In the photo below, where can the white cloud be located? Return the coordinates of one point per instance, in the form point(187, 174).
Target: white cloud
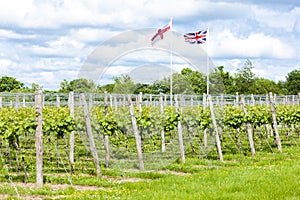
point(62, 47)
point(51, 38)
point(297, 25)
point(92, 34)
point(254, 45)
point(8, 34)
point(276, 19)
point(115, 13)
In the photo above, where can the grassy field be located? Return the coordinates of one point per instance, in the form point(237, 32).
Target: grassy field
point(266, 176)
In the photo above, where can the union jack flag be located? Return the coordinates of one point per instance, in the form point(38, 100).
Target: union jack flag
point(196, 38)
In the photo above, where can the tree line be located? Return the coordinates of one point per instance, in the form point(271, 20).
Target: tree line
point(187, 81)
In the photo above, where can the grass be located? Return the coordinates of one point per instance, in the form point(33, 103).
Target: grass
point(266, 176)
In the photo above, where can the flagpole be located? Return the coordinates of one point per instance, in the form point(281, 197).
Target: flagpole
point(207, 62)
point(171, 64)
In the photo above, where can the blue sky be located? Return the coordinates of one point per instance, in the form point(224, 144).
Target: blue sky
point(46, 41)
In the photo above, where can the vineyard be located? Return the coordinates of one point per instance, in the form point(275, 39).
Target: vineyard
point(89, 134)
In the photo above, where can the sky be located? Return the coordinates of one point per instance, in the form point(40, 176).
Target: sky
point(47, 41)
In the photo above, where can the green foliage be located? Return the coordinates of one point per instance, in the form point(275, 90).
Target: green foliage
point(144, 120)
point(204, 118)
point(234, 117)
point(57, 121)
point(124, 85)
point(171, 119)
point(245, 79)
point(105, 118)
point(264, 86)
point(293, 82)
point(15, 123)
point(80, 85)
point(259, 115)
point(9, 84)
point(288, 114)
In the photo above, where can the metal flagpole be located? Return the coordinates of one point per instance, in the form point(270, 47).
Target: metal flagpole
point(207, 62)
point(171, 64)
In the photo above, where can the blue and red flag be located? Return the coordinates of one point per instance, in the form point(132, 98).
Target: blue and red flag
point(196, 38)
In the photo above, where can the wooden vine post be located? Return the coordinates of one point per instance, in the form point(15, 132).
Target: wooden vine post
point(57, 101)
point(17, 102)
point(179, 131)
point(39, 138)
point(140, 101)
point(162, 132)
point(106, 138)
point(90, 135)
point(249, 130)
point(72, 139)
point(277, 137)
point(218, 141)
point(137, 136)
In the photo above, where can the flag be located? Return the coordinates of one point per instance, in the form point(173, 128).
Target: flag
point(160, 33)
point(196, 38)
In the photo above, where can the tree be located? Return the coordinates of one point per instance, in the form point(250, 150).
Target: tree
point(293, 82)
point(264, 86)
point(244, 79)
point(282, 86)
point(195, 79)
point(10, 84)
point(124, 85)
point(80, 85)
point(109, 88)
point(227, 80)
point(64, 86)
point(35, 87)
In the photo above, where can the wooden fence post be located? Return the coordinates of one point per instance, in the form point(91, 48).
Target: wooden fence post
point(106, 137)
point(72, 139)
point(115, 102)
point(162, 132)
point(90, 135)
point(249, 130)
point(110, 100)
point(179, 131)
point(106, 147)
point(17, 102)
point(57, 101)
point(24, 101)
point(136, 135)
point(39, 139)
point(236, 100)
point(218, 141)
point(91, 101)
point(252, 100)
point(277, 137)
point(140, 100)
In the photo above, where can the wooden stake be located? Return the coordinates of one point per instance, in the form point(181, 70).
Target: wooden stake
point(72, 139)
point(249, 130)
point(106, 146)
point(162, 132)
point(90, 135)
point(39, 138)
point(57, 101)
point(218, 141)
point(277, 137)
point(136, 135)
point(179, 131)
